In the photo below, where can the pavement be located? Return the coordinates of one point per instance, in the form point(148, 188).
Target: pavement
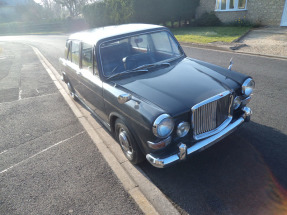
point(267, 41)
point(48, 162)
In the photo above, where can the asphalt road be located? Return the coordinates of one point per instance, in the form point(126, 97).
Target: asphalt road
point(48, 163)
point(246, 173)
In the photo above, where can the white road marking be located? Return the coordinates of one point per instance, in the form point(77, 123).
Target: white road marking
point(20, 94)
point(44, 150)
point(37, 91)
point(3, 152)
point(33, 97)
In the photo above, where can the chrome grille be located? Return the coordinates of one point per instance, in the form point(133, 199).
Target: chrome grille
point(209, 116)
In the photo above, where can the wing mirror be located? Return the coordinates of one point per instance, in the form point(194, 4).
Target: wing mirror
point(123, 98)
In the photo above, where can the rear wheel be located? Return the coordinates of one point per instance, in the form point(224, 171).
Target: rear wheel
point(128, 143)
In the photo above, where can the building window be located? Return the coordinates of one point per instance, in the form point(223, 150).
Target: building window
point(230, 5)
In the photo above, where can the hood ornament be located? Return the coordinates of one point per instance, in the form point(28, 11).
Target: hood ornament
point(230, 64)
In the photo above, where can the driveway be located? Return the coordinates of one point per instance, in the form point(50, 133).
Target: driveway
point(266, 40)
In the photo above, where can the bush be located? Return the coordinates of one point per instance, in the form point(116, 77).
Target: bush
point(97, 14)
point(241, 22)
point(107, 12)
point(208, 19)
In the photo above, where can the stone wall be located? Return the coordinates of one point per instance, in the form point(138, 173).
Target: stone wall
point(264, 12)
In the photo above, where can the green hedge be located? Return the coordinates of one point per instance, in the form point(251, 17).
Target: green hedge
point(110, 12)
point(59, 26)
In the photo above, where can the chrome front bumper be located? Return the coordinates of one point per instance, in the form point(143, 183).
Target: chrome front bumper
point(201, 145)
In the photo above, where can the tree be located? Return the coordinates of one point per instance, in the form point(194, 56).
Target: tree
point(74, 6)
point(146, 11)
point(97, 14)
point(120, 10)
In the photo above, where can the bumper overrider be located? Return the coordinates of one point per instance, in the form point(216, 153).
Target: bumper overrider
point(183, 151)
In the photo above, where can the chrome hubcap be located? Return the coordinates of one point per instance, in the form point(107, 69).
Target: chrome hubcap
point(70, 89)
point(125, 144)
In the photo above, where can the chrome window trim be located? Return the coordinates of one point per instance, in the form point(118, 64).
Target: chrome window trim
point(219, 128)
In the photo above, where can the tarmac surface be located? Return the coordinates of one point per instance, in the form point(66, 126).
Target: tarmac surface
point(48, 163)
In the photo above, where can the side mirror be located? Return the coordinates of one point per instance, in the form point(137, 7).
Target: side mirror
point(123, 98)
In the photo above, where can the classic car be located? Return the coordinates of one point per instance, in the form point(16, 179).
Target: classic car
point(159, 104)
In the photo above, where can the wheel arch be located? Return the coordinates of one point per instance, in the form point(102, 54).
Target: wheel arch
point(112, 120)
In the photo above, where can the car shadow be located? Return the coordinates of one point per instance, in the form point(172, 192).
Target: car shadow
point(245, 173)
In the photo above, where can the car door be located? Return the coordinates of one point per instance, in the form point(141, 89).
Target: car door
point(90, 86)
point(72, 62)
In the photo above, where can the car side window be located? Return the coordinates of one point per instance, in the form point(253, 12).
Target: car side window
point(163, 43)
point(139, 44)
point(87, 57)
point(96, 71)
point(69, 50)
point(75, 52)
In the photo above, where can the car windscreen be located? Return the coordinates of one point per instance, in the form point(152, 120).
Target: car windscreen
point(133, 52)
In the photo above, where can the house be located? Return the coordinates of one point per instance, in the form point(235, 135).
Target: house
point(264, 12)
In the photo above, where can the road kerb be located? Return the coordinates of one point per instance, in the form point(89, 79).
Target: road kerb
point(141, 189)
point(220, 49)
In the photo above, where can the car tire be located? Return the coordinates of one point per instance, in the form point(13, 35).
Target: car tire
point(127, 142)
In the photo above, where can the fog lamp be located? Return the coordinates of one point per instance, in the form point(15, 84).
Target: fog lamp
point(182, 129)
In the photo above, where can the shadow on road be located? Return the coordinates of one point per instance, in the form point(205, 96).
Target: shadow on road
point(243, 174)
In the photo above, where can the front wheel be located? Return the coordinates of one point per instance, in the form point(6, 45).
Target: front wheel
point(127, 143)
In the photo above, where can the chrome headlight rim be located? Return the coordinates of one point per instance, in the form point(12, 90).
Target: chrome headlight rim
point(157, 123)
point(247, 90)
point(186, 127)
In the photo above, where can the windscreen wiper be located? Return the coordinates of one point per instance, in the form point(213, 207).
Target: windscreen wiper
point(147, 66)
point(127, 72)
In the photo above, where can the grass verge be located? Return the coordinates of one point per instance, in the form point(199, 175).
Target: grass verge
point(209, 34)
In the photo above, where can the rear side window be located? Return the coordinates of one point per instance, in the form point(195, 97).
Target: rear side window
point(75, 52)
point(87, 57)
point(69, 50)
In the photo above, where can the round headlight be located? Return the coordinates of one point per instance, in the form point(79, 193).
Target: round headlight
point(163, 126)
point(182, 129)
point(248, 86)
point(236, 102)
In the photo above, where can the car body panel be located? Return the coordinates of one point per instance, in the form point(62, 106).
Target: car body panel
point(175, 95)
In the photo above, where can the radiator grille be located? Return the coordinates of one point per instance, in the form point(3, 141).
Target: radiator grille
point(211, 114)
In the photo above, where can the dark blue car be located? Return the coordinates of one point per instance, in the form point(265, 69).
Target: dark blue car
point(159, 104)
